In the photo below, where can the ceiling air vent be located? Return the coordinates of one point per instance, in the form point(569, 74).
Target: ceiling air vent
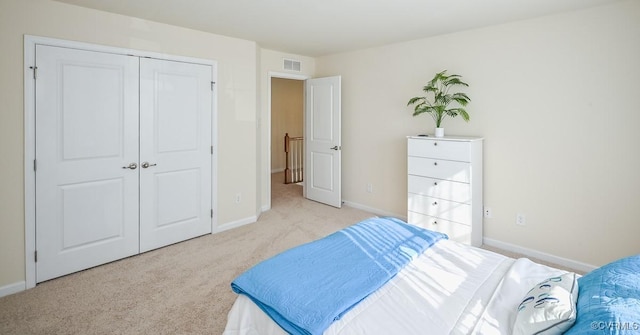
point(290, 64)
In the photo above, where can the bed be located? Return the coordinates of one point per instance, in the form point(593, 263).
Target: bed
point(440, 287)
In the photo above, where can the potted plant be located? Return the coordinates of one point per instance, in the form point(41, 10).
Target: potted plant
point(437, 98)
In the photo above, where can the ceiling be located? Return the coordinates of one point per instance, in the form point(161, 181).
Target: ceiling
point(320, 27)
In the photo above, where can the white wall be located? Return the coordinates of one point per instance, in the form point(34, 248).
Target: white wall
point(237, 104)
point(555, 99)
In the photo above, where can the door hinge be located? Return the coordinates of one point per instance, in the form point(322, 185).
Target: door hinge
point(212, 149)
point(35, 165)
point(212, 84)
point(35, 71)
point(212, 213)
point(35, 256)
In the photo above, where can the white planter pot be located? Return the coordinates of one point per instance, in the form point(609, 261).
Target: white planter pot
point(439, 132)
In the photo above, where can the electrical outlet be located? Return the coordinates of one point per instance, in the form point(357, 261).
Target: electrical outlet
point(369, 188)
point(238, 198)
point(521, 219)
point(487, 212)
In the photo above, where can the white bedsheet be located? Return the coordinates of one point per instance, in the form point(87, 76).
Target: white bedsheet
point(451, 289)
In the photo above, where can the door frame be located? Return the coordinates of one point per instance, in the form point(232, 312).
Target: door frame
point(267, 168)
point(30, 43)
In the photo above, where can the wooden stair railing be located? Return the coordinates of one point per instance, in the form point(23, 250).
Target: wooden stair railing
point(294, 150)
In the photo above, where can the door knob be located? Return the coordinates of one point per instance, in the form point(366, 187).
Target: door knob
point(146, 164)
point(131, 166)
point(335, 147)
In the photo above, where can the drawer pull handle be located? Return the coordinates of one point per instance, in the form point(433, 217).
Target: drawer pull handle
point(435, 183)
point(435, 163)
point(435, 222)
point(435, 203)
point(435, 143)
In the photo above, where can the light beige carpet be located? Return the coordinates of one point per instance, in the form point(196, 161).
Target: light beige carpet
point(180, 289)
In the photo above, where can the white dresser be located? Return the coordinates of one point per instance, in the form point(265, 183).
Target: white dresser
point(445, 186)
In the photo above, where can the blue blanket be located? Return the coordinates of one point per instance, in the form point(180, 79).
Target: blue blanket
point(306, 288)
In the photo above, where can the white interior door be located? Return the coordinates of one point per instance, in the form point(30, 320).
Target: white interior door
point(175, 142)
point(323, 140)
point(87, 131)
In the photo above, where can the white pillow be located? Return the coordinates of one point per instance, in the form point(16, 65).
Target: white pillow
point(549, 307)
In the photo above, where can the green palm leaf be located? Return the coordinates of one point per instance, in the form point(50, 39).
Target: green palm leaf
point(436, 107)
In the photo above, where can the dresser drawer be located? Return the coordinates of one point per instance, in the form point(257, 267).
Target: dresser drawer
point(444, 209)
point(439, 169)
point(456, 231)
point(451, 150)
point(438, 188)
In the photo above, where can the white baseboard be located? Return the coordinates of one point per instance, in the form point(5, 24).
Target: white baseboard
point(569, 263)
point(235, 224)
point(12, 288)
point(375, 211)
point(277, 170)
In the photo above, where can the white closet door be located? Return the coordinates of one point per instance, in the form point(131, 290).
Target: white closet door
point(87, 131)
point(175, 140)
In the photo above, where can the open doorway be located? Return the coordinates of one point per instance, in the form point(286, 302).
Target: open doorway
point(287, 128)
point(322, 142)
point(287, 117)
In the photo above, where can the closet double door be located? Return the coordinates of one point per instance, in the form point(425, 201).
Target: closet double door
point(123, 156)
